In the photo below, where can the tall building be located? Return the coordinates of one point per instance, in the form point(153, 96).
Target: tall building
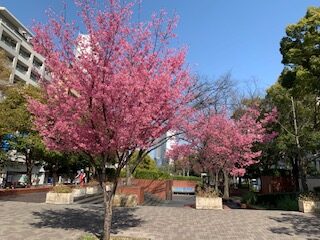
point(25, 66)
point(15, 40)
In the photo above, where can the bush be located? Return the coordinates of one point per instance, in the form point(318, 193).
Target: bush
point(249, 198)
point(202, 191)
point(61, 189)
point(279, 201)
point(272, 199)
point(288, 204)
point(309, 196)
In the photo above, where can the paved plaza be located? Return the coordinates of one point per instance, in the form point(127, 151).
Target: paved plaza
point(39, 221)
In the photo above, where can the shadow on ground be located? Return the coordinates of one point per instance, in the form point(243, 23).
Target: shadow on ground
point(87, 218)
point(306, 225)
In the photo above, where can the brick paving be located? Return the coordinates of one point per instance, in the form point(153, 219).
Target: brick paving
point(39, 221)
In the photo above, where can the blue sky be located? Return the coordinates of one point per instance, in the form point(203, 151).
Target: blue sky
point(222, 35)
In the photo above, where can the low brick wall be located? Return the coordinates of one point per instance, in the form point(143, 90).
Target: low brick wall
point(184, 183)
point(272, 184)
point(160, 188)
point(136, 190)
point(184, 186)
point(9, 192)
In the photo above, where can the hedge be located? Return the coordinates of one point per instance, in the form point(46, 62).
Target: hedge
point(188, 178)
point(281, 201)
point(153, 174)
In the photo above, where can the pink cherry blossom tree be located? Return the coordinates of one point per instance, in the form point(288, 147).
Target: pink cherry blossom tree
point(224, 144)
point(111, 92)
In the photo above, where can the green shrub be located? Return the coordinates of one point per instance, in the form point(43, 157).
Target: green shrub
point(249, 198)
point(209, 192)
point(288, 204)
point(272, 199)
point(61, 189)
point(309, 196)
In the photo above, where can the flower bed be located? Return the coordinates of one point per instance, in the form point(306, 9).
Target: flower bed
point(60, 195)
point(207, 198)
point(309, 202)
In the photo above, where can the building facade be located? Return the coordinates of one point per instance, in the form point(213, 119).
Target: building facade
point(15, 40)
point(26, 66)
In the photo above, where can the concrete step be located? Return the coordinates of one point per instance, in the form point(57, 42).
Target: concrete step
point(90, 199)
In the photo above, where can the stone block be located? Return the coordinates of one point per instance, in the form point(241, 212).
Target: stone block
point(121, 200)
point(208, 203)
point(92, 190)
point(309, 206)
point(79, 192)
point(59, 198)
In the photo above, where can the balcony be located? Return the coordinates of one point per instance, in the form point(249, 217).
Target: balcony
point(21, 68)
point(24, 53)
point(9, 41)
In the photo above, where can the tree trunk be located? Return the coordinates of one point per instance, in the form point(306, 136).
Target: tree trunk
point(295, 173)
point(29, 170)
point(107, 200)
point(303, 177)
point(216, 182)
point(54, 177)
point(226, 185)
point(302, 162)
point(128, 176)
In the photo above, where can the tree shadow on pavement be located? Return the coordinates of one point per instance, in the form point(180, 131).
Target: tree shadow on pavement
point(87, 218)
point(306, 225)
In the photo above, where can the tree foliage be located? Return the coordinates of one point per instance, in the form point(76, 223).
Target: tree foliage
point(300, 50)
point(16, 122)
point(122, 89)
point(5, 68)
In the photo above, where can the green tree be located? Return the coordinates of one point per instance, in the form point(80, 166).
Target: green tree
point(146, 163)
point(298, 140)
point(16, 120)
point(297, 92)
point(300, 50)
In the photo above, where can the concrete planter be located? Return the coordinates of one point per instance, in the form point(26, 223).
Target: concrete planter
point(59, 198)
point(208, 203)
point(121, 200)
point(92, 190)
point(309, 206)
point(79, 192)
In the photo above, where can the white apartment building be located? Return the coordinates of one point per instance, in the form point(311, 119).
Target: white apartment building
point(26, 65)
point(15, 40)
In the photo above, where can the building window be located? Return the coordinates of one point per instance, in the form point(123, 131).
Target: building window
point(21, 67)
point(34, 76)
point(8, 40)
point(18, 80)
point(24, 53)
point(37, 63)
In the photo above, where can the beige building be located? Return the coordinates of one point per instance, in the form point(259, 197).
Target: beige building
point(15, 40)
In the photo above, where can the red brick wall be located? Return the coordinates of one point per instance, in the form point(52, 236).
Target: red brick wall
point(160, 188)
point(136, 190)
point(8, 192)
point(271, 184)
point(184, 183)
